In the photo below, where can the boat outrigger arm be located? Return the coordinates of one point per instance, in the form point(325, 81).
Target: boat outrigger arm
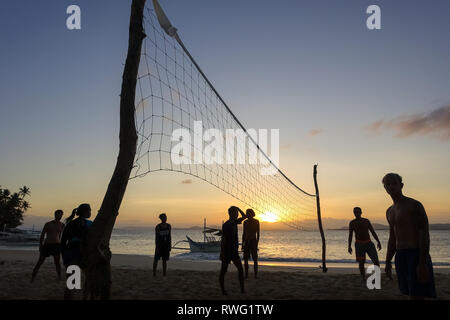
point(211, 230)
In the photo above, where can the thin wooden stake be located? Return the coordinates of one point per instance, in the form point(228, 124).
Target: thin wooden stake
point(319, 218)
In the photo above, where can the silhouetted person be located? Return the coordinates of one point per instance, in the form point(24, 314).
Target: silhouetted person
point(73, 240)
point(363, 244)
point(230, 247)
point(250, 240)
point(409, 240)
point(51, 246)
point(163, 243)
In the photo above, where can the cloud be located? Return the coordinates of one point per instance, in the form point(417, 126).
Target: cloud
point(315, 132)
point(286, 146)
point(376, 126)
point(187, 181)
point(435, 123)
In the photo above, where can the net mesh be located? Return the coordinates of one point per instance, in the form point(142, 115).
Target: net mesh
point(172, 93)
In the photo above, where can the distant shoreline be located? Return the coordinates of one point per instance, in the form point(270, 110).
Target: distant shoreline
point(434, 226)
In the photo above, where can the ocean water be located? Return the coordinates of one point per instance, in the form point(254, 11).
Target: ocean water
point(275, 246)
point(287, 246)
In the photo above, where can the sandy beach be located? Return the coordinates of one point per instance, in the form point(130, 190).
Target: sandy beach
point(133, 279)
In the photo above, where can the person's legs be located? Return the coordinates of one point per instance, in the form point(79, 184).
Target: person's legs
point(255, 266)
point(401, 270)
point(223, 271)
point(36, 268)
point(237, 262)
point(246, 257)
point(68, 295)
point(246, 267)
point(372, 253)
point(56, 259)
point(419, 290)
point(362, 270)
point(155, 264)
point(164, 263)
point(360, 252)
point(255, 259)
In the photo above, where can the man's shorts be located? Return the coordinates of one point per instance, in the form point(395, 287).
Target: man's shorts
point(50, 249)
point(230, 255)
point(251, 248)
point(362, 248)
point(162, 253)
point(406, 262)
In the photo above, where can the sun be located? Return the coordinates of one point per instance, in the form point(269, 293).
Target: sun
point(268, 217)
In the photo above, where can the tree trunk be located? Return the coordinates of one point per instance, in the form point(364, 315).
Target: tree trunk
point(96, 253)
point(319, 218)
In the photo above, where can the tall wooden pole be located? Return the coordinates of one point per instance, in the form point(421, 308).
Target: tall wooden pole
point(319, 218)
point(97, 255)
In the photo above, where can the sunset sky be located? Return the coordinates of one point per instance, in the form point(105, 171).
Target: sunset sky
point(358, 102)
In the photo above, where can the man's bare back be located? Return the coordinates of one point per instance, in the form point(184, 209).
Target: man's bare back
point(53, 230)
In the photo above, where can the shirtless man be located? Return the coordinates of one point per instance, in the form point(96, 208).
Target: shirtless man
point(409, 240)
point(250, 240)
point(230, 246)
point(363, 244)
point(51, 246)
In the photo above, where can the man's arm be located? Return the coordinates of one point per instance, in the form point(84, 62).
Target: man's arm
point(374, 234)
point(257, 232)
point(170, 237)
point(243, 216)
point(392, 241)
point(391, 245)
point(244, 233)
point(350, 237)
point(41, 239)
point(222, 243)
point(424, 243)
point(424, 235)
point(156, 236)
point(64, 237)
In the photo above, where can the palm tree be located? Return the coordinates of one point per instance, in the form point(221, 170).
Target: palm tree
point(24, 191)
point(97, 255)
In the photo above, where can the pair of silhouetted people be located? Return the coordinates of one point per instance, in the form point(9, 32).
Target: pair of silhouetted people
point(230, 245)
point(66, 240)
point(163, 243)
point(73, 240)
point(409, 241)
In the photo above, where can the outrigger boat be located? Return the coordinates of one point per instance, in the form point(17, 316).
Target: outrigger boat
point(211, 241)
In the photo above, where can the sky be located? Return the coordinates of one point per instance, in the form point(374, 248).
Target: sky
point(358, 102)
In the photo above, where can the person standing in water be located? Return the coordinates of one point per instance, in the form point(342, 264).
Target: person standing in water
point(163, 243)
point(51, 246)
point(363, 244)
point(250, 240)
